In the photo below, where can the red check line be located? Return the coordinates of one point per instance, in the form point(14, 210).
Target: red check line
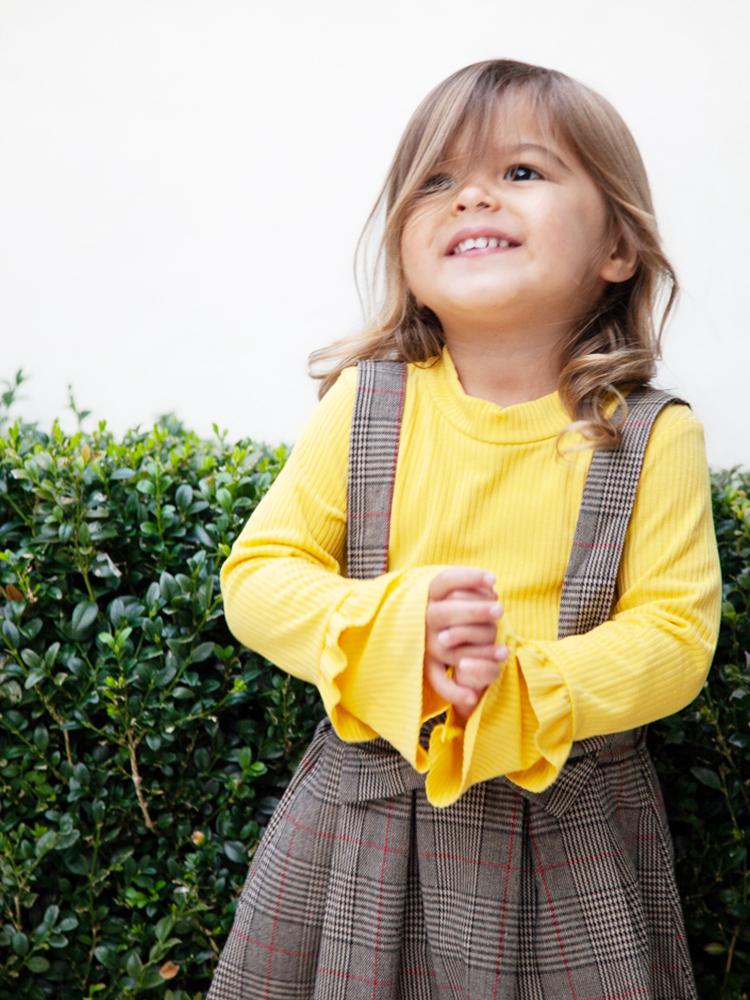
point(583, 859)
point(380, 899)
point(571, 987)
point(449, 986)
point(637, 992)
point(400, 410)
point(418, 970)
point(346, 838)
point(477, 862)
point(274, 948)
point(501, 939)
point(383, 982)
point(359, 979)
point(449, 856)
point(620, 799)
point(595, 545)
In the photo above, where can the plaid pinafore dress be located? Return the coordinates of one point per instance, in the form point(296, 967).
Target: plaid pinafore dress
point(360, 889)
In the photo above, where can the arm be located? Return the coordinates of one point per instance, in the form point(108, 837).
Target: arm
point(360, 641)
point(649, 660)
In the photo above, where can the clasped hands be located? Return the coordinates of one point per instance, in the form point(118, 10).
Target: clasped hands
point(460, 637)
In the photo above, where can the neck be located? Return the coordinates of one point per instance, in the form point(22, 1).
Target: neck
point(506, 369)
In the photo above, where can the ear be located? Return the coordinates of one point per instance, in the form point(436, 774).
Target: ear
point(621, 262)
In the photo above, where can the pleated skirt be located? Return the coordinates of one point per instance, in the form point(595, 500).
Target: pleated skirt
point(492, 898)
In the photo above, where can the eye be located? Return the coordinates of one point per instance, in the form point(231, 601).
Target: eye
point(519, 171)
point(524, 171)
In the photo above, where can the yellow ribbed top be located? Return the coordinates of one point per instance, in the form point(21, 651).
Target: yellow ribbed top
point(478, 484)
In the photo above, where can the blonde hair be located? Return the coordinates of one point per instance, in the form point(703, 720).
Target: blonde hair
point(615, 345)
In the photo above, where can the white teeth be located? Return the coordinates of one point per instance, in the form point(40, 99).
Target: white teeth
point(480, 243)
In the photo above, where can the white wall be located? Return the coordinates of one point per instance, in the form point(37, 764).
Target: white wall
point(182, 183)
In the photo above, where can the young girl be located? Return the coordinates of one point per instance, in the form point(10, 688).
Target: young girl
point(491, 549)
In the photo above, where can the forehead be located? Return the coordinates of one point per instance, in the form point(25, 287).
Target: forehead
point(509, 122)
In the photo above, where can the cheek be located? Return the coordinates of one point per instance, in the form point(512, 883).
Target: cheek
point(418, 233)
point(407, 249)
point(408, 239)
point(571, 238)
point(414, 255)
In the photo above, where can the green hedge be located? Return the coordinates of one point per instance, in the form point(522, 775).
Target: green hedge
point(142, 750)
point(702, 755)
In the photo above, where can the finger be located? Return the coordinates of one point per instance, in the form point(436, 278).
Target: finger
point(463, 577)
point(457, 636)
point(490, 654)
point(477, 673)
point(483, 593)
point(494, 651)
point(446, 688)
point(445, 614)
point(461, 715)
point(477, 641)
point(445, 641)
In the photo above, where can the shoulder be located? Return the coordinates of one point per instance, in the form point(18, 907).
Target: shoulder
point(345, 384)
point(324, 430)
point(676, 421)
point(338, 400)
point(676, 449)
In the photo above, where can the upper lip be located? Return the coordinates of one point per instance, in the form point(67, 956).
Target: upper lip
point(476, 231)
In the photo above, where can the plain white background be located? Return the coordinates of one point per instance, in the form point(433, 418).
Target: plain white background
point(182, 184)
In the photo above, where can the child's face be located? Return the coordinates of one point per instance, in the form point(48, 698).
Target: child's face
point(546, 204)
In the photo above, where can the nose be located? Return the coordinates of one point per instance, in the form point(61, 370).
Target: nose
point(473, 195)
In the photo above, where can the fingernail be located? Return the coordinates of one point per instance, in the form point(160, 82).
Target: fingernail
point(501, 652)
point(496, 610)
point(490, 578)
point(443, 636)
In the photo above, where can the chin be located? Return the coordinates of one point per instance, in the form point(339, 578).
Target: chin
point(489, 301)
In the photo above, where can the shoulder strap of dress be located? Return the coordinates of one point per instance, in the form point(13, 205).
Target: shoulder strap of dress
point(373, 451)
point(590, 580)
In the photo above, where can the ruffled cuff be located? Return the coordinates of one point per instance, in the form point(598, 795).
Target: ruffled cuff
point(371, 675)
point(552, 709)
point(521, 727)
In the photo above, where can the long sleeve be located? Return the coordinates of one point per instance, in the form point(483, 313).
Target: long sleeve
point(360, 641)
point(648, 661)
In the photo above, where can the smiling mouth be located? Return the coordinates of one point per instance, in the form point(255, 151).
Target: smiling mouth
point(482, 251)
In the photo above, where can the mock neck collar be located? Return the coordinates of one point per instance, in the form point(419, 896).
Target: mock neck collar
point(484, 420)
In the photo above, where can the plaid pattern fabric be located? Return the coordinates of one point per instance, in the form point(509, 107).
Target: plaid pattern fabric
point(373, 450)
point(360, 889)
point(606, 505)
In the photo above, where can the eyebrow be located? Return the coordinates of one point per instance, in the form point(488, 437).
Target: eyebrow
point(541, 149)
point(531, 145)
